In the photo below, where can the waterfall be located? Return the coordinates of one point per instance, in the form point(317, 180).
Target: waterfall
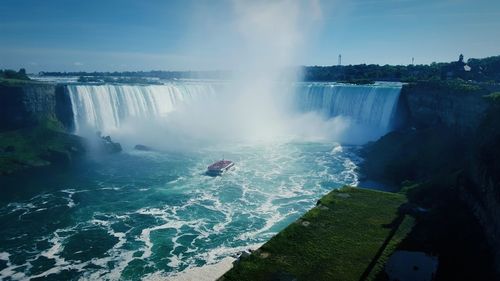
point(105, 107)
point(369, 109)
point(369, 105)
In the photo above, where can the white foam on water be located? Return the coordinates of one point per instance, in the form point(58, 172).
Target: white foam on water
point(15, 207)
point(111, 188)
point(116, 255)
point(270, 183)
point(214, 255)
point(9, 271)
point(209, 272)
point(337, 149)
point(267, 209)
point(55, 250)
point(171, 222)
point(54, 253)
point(71, 202)
point(4, 256)
point(175, 261)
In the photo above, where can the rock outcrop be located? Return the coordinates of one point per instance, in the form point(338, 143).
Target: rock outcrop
point(29, 104)
point(107, 145)
point(35, 121)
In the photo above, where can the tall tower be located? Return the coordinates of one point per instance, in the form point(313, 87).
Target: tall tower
point(340, 60)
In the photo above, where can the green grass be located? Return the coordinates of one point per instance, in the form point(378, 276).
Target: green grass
point(36, 146)
point(345, 236)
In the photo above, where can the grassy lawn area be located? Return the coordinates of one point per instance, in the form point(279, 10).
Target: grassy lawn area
point(348, 236)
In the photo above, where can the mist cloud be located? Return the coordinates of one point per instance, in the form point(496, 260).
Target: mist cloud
point(255, 104)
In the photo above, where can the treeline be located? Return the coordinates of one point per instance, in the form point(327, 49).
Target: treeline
point(12, 74)
point(216, 74)
point(480, 70)
point(117, 79)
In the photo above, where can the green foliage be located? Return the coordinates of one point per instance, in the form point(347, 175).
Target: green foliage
point(37, 146)
point(119, 80)
point(495, 97)
point(487, 69)
point(337, 240)
point(482, 70)
point(12, 74)
point(17, 82)
point(215, 74)
point(359, 81)
point(451, 86)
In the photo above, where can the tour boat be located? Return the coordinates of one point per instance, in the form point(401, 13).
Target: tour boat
point(219, 167)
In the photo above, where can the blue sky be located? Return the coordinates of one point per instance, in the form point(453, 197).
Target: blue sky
point(69, 35)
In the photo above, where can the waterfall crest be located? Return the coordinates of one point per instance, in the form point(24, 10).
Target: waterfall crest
point(105, 107)
point(371, 105)
point(345, 113)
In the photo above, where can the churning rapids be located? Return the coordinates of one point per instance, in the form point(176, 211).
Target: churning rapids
point(150, 214)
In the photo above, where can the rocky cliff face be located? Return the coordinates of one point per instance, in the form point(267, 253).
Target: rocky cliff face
point(482, 193)
point(458, 107)
point(25, 105)
point(29, 104)
point(476, 120)
point(63, 108)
